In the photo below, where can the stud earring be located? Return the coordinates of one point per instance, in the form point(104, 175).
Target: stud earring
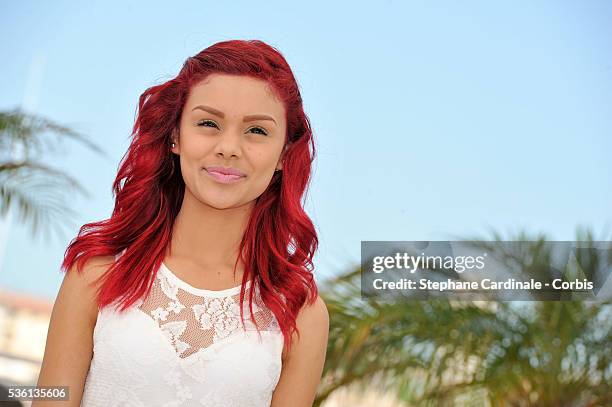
point(173, 145)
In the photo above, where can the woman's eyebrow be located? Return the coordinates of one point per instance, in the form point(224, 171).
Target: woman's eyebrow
point(247, 118)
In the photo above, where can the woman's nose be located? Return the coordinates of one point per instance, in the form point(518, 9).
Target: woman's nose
point(228, 143)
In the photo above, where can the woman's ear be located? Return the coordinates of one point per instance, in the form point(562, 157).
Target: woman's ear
point(174, 141)
point(279, 166)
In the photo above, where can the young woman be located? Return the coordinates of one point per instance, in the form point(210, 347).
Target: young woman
point(198, 291)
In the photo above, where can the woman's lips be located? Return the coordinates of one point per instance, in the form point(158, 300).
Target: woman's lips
point(224, 178)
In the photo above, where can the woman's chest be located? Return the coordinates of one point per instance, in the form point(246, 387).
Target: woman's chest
point(174, 348)
point(138, 361)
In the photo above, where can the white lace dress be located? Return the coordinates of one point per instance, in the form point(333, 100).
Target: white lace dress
point(184, 346)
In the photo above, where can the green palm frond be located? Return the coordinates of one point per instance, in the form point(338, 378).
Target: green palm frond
point(438, 352)
point(29, 131)
point(38, 191)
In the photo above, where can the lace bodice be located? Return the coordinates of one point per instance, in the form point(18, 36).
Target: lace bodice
point(184, 346)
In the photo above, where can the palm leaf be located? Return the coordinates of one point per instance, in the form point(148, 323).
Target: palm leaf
point(38, 191)
point(441, 352)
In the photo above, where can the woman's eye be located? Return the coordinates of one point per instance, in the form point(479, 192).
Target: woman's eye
point(203, 122)
point(210, 123)
point(262, 131)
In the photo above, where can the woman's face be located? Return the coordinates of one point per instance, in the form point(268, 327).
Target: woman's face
point(230, 122)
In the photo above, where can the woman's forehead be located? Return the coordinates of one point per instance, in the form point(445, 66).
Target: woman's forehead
point(236, 95)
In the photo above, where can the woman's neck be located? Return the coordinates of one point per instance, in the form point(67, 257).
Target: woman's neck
point(207, 236)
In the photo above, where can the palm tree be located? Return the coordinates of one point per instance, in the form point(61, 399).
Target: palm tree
point(36, 189)
point(442, 352)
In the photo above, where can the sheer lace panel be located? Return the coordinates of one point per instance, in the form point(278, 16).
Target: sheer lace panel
point(193, 319)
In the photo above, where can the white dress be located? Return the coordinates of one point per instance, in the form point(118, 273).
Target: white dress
point(184, 346)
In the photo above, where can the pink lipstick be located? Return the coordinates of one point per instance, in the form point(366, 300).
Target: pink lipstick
point(225, 175)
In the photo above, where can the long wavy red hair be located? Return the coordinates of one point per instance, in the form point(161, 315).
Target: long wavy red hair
point(280, 240)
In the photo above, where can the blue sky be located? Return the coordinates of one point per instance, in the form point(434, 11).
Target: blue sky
point(432, 120)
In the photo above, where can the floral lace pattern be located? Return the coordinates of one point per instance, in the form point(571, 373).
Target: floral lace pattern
point(191, 321)
point(183, 346)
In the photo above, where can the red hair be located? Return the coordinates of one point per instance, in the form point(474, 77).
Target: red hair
point(280, 240)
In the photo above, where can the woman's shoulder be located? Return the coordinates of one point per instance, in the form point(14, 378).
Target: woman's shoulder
point(71, 326)
point(81, 285)
point(314, 313)
point(93, 268)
